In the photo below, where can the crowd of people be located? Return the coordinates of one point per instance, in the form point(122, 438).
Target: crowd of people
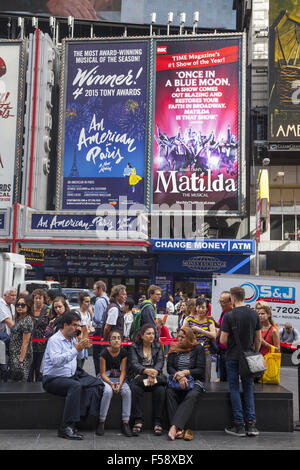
point(47, 341)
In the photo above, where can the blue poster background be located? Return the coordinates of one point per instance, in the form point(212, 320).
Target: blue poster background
point(105, 123)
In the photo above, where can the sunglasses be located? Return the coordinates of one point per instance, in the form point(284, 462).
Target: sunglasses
point(21, 305)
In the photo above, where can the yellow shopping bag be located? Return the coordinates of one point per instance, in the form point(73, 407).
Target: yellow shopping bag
point(273, 361)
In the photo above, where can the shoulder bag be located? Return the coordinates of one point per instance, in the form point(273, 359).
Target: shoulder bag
point(251, 363)
point(175, 384)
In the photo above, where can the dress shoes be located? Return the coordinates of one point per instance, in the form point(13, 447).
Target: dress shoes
point(67, 432)
point(100, 429)
point(125, 429)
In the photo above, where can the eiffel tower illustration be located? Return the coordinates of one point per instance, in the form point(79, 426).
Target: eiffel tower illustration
point(74, 173)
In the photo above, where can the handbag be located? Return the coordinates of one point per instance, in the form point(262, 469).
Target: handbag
point(251, 363)
point(176, 386)
point(272, 374)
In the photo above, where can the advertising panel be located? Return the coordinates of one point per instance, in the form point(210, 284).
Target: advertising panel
point(198, 144)
point(204, 265)
point(131, 11)
point(284, 71)
point(282, 294)
point(11, 107)
point(91, 263)
point(103, 123)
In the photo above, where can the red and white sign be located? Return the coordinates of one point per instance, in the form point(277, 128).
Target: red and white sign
point(9, 92)
point(161, 50)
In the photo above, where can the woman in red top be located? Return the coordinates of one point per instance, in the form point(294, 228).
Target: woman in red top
point(163, 332)
point(269, 333)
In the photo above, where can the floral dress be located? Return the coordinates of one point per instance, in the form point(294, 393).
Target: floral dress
point(24, 325)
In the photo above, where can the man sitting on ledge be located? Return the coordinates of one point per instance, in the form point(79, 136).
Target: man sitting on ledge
point(62, 377)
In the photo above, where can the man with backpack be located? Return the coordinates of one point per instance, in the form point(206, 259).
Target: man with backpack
point(101, 305)
point(147, 313)
point(113, 318)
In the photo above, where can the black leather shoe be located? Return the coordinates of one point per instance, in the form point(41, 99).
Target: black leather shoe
point(75, 430)
point(100, 429)
point(68, 433)
point(125, 429)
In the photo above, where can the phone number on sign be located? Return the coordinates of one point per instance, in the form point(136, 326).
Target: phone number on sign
point(291, 310)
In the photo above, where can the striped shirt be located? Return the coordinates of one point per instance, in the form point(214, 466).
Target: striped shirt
point(184, 363)
point(201, 337)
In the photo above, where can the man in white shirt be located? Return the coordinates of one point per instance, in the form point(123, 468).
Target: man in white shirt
point(62, 377)
point(170, 306)
point(7, 309)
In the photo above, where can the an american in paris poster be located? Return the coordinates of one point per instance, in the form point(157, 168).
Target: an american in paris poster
point(196, 135)
point(105, 123)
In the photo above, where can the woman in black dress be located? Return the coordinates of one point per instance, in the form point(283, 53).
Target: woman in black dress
point(40, 322)
point(20, 347)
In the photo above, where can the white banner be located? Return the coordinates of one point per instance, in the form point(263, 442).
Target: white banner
point(282, 294)
point(9, 93)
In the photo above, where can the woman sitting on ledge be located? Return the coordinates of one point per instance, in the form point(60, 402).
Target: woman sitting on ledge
point(186, 364)
point(146, 360)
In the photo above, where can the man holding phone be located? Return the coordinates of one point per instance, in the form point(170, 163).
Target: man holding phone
point(61, 376)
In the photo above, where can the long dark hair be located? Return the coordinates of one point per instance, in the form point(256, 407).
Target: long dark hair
point(28, 301)
point(138, 339)
point(52, 313)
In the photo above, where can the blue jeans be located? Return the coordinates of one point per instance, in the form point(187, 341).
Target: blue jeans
point(232, 368)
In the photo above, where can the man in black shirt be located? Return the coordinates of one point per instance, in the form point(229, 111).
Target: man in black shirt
point(248, 328)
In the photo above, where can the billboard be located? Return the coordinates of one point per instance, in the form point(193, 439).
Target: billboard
point(198, 150)
point(131, 11)
point(284, 71)
point(12, 58)
point(103, 123)
point(282, 295)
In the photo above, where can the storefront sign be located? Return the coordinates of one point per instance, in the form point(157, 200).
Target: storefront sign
point(87, 263)
point(76, 223)
point(198, 147)
point(103, 114)
point(215, 246)
point(204, 264)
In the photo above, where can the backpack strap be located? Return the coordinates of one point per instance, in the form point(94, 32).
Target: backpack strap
point(268, 332)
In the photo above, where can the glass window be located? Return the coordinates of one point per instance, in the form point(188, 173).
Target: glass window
point(287, 197)
point(298, 227)
point(289, 227)
point(275, 227)
point(275, 199)
point(297, 200)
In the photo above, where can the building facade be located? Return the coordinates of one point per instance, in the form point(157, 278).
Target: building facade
point(82, 244)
